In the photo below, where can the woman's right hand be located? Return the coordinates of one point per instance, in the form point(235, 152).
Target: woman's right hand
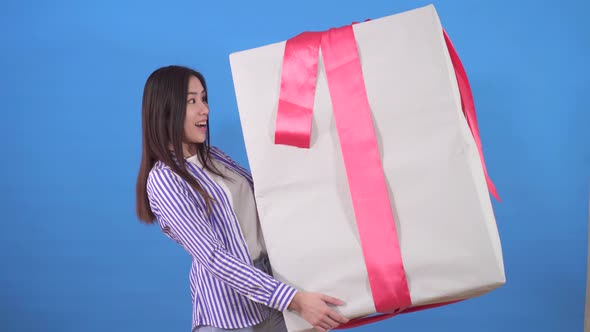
point(313, 307)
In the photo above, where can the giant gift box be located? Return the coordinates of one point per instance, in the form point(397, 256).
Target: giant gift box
point(368, 170)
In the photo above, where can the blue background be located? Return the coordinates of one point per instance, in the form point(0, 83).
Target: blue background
point(75, 258)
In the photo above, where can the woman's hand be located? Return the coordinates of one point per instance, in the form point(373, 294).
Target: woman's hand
point(313, 307)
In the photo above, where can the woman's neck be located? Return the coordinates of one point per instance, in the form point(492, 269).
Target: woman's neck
point(189, 150)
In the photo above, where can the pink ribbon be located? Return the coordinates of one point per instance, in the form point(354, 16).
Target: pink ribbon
point(298, 79)
point(370, 198)
point(352, 114)
point(469, 108)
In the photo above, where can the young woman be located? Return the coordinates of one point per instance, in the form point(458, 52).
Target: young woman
point(204, 201)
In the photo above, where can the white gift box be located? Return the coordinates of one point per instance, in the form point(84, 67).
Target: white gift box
point(443, 214)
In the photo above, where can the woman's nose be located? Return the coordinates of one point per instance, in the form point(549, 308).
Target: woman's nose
point(204, 109)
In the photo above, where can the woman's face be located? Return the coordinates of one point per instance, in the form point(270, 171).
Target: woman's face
point(197, 113)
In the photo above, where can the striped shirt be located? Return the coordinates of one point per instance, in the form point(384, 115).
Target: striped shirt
point(239, 192)
point(227, 290)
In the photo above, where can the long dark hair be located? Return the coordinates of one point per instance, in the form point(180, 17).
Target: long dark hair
point(162, 115)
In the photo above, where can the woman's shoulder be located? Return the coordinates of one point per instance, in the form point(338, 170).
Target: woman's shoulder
point(229, 162)
point(160, 174)
point(159, 167)
point(219, 154)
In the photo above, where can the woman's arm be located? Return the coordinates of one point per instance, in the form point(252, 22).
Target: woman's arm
point(180, 211)
point(172, 203)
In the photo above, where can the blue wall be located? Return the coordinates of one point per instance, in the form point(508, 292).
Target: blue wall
point(74, 257)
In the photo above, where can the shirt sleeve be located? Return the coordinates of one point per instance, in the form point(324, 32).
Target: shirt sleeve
point(187, 220)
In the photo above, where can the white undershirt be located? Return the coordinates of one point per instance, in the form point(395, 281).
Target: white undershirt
point(241, 196)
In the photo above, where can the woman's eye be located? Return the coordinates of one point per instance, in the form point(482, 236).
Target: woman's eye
point(192, 101)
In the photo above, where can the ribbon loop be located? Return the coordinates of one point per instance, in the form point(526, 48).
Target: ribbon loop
point(298, 80)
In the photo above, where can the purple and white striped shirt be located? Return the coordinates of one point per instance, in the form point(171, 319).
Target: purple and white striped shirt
point(227, 290)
